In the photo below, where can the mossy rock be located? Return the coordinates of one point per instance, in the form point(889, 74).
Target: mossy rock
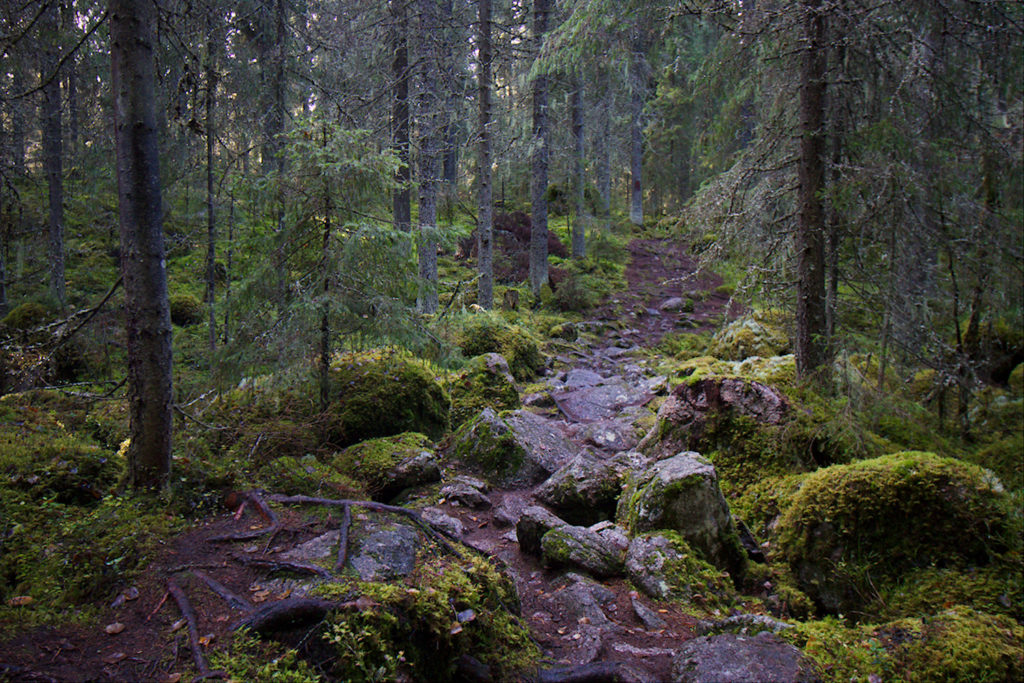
point(186, 310)
point(1016, 380)
point(996, 589)
point(758, 334)
point(389, 464)
point(26, 316)
point(485, 382)
point(421, 628)
point(306, 476)
point(663, 566)
point(850, 526)
point(379, 393)
point(482, 333)
point(958, 644)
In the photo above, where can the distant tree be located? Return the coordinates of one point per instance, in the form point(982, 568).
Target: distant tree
point(147, 314)
point(539, 184)
point(52, 134)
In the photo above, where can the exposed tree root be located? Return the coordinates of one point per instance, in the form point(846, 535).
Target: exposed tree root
point(193, 632)
point(597, 672)
point(265, 511)
point(346, 522)
point(284, 614)
point(283, 566)
point(233, 599)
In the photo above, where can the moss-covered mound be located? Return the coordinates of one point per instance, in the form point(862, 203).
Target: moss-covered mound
point(485, 382)
point(489, 333)
point(26, 316)
point(186, 310)
point(758, 334)
point(851, 525)
point(957, 645)
point(377, 393)
point(386, 465)
point(447, 608)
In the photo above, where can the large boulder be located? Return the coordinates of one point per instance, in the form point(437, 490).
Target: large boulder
point(730, 658)
point(580, 548)
point(512, 450)
point(485, 382)
point(852, 526)
point(489, 333)
point(583, 491)
point(681, 494)
point(534, 522)
point(390, 464)
point(757, 334)
point(586, 399)
point(663, 566)
point(383, 551)
point(380, 393)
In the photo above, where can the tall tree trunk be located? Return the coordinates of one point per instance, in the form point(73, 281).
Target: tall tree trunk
point(429, 103)
point(53, 149)
point(17, 109)
point(809, 237)
point(485, 203)
point(579, 246)
point(211, 219)
point(402, 195)
point(452, 87)
point(71, 80)
point(325, 307)
point(638, 89)
point(539, 188)
point(604, 156)
point(147, 315)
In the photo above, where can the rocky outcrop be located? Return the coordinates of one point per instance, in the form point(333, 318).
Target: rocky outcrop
point(681, 494)
point(729, 658)
point(580, 548)
point(512, 450)
point(583, 491)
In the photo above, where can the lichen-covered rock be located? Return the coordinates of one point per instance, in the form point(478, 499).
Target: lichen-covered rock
point(512, 450)
point(752, 335)
point(379, 393)
point(490, 333)
point(382, 551)
point(534, 522)
point(390, 464)
point(601, 400)
point(875, 519)
point(579, 548)
point(681, 494)
point(583, 491)
point(729, 658)
point(663, 566)
point(467, 491)
point(485, 382)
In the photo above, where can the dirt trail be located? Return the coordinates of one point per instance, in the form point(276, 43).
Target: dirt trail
point(616, 629)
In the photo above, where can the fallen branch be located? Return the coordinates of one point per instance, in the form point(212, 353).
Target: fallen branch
point(283, 566)
point(158, 605)
point(433, 532)
point(193, 633)
point(234, 600)
point(346, 522)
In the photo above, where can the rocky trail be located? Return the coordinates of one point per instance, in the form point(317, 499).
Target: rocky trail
point(583, 610)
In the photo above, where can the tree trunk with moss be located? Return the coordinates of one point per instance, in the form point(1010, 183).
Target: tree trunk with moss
point(539, 187)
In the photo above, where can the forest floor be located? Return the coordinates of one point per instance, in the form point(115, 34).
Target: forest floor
point(130, 642)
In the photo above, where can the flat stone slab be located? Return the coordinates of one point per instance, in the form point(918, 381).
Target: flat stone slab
point(600, 401)
point(729, 658)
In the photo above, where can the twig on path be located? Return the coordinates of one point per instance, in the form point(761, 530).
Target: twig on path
point(283, 566)
point(193, 633)
point(158, 605)
point(233, 599)
point(346, 522)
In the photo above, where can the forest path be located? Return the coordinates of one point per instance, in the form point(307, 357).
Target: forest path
point(604, 629)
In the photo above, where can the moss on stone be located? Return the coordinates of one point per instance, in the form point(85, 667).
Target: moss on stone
point(1016, 380)
point(758, 334)
point(489, 333)
point(482, 384)
point(370, 461)
point(379, 393)
point(26, 316)
point(689, 579)
point(488, 450)
point(852, 525)
point(185, 310)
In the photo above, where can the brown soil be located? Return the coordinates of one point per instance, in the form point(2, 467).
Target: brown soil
point(149, 648)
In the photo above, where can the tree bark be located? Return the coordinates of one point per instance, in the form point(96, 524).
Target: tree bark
point(53, 149)
point(810, 230)
point(604, 157)
point(401, 199)
point(638, 87)
point(147, 315)
point(485, 203)
point(71, 81)
point(579, 245)
point(428, 115)
point(211, 219)
point(539, 187)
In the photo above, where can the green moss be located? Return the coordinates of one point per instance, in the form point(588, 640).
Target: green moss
point(306, 476)
point(851, 526)
point(697, 585)
point(368, 462)
point(758, 334)
point(492, 452)
point(378, 393)
point(251, 659)
point(958, 644)
point(997, 589)
point(1016, 380)
point(479, 386)
point(186, 310)
point(26, 316)
point(448, 607)
point(482, 333)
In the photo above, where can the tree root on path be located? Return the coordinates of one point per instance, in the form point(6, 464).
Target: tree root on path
point(193, 633)
point(233, 599)
point(265, 511)
point(283, 566)
point(597, 672)
point(346, 522)
point(284, 614)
